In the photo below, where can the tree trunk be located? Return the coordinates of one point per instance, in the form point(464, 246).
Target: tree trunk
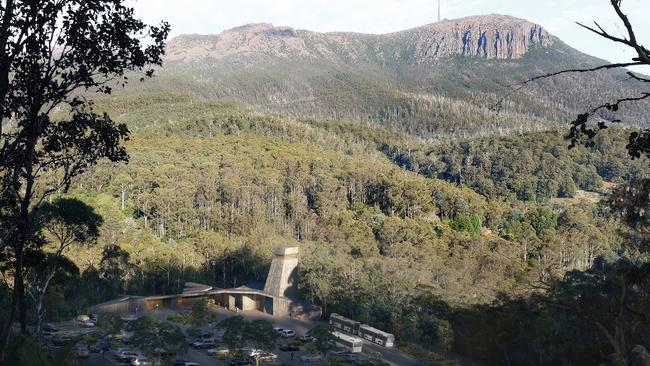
point(40, 313)
point(122, 199)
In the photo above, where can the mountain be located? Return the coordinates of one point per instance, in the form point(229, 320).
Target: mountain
point(492, 37)
point(432, 81)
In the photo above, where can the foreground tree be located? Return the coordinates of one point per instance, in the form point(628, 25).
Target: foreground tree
point(586, 125)
point(68, 222)
point(51, 53)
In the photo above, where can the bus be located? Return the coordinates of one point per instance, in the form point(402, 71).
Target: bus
point(376, 336)
point(352, 344)
point(345, 324)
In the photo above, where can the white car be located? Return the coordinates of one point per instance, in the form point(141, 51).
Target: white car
point(129, 317)
point(253, 352)
point(88, 324)
point(218, 352)
point(288, 333)
point(311, 358)
point(140, 360)
point(307, 339)
point(268, 357)
point(278, 329)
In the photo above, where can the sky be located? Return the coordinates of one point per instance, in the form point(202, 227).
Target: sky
point(385, 16)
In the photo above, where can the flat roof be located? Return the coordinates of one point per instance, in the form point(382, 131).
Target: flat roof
point(285, 251)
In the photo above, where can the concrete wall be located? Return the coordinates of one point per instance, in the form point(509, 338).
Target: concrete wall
point(281, 280)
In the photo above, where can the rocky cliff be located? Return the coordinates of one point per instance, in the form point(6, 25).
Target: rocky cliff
point(490, 36)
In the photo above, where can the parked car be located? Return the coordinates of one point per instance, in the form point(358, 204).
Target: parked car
point(286, 347)
point(311, 358)
point(81, 350)
point(129, 317)
point(161, 352)
point(288, 333)
point(83, 318)
point(140, 360)
point(99, 347)
point(219, 352)
point(127, 355)
point(181, 362)
point(49, 329)
point(338, 352)
point(240, 362)
point(204, 343)
point(252, 352)
point(60, 341)
point(307, 339)
point(88, 324)
point(268, 357)
point(278, 329)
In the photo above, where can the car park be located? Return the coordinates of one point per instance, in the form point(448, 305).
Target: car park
point(311, 358)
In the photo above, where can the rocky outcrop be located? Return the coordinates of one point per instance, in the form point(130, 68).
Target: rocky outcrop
point(491, 37)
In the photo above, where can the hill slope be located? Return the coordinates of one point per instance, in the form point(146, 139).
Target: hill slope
point(438, 79)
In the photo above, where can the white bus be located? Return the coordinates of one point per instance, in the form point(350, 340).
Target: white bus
point(376, 336)
point(352, 344)
point(345, 324)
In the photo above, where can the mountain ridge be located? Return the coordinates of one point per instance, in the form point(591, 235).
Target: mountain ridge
point(434, 81)
point(492, 36)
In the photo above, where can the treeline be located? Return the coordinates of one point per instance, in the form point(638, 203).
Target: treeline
point(530, 167)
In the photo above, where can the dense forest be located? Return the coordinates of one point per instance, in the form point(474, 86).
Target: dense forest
point(455, 246)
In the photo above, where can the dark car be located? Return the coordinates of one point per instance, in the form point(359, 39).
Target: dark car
point(289, 348)
point(240, 362)
point(49, 328)
point(99, 347)
point(60, 341)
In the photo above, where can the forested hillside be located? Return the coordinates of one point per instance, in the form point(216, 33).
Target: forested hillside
point(408, 236)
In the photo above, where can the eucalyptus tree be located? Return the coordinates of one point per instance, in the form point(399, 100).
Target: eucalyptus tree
point(68, 222)
point(53, 55)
